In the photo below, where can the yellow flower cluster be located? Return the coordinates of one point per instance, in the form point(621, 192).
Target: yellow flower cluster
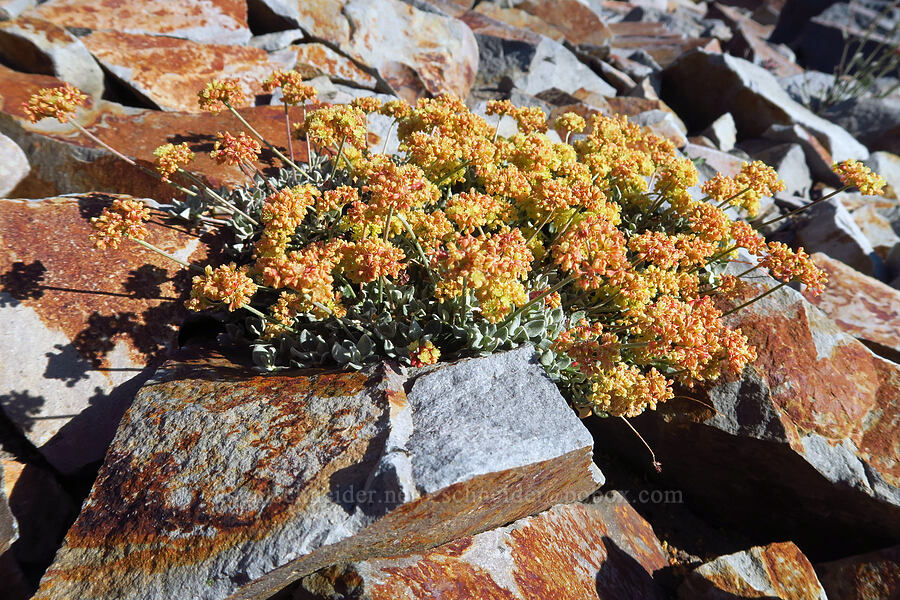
point(170, 158)
point(228, 285)
point(216, 94)
point(854, 173)
point(124, 218)
point(58, 103)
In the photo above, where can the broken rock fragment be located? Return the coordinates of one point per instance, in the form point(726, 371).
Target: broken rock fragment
point(221, 484)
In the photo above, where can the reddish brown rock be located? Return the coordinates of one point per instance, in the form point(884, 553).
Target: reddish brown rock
point(37, 46)
point(64, 161)
point(570, 552)
point(568, 19)
point(216, 21)
point(862, 306)
point(655, 39)
point(169, 72)
point(872, 576)
point(749, 42)
point(319, 59)
point(777, 571)
point(79, 327)
point(224, 484)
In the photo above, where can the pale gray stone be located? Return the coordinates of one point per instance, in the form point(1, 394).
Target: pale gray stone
point(829, 228)
point(790, 162)
point(722, 132)
point(14, 165)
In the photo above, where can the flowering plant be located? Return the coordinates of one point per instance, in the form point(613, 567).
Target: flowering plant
point(584, 241)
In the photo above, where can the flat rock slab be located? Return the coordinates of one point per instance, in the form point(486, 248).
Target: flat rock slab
point(64, 161)
point(78, 327)
point(870, 576)
point(213, 21)
point(600, 550)
point(862, 306)
point(318, 59)
point(169, 72)
point(221, 484)
point(777, 571)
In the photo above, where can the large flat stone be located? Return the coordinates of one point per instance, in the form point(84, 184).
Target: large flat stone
point(79, 327)
point(38, 46)
point(862, 306)
point(64, 161)
point(599, 550)
point(224, 484)
point(778, 571)
point(168, 72)
point(213, 21)
point(700, 86)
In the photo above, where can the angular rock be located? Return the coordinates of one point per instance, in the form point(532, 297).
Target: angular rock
point(38, 46)
point(14, 166)
point(663, 123)
point(64, 161)
point(722, 132)
point(818, 158)
point(874, 121)
point(599, 550)
point(777, 571)
point(790, 162)
point(749, 41)
point(877, 229)
point(319, 59)
point(277, 40)
point(809, 88)
point(224, 484)
point(416, 52)
point(79, 327)
point(701, 86)
point(801, 447)
point(570, 19)
point(887, 165)
point(715, 161)
point(10, 9)
point(872, 576)
point(532, 67)
point(829, 228)
point(657, 41)
point(9, 528)
point(862, 306)
point(168, 72)
point(211, 21)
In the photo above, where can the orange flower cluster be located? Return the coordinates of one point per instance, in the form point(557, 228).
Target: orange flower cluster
point(125, 218)
point(58, 103)
point(293, 90)
point(170, 158)
point(240, 150)
point(854, 173)
point(227, 285)
point(754, 181)
point(216, 94)
point(423, 354)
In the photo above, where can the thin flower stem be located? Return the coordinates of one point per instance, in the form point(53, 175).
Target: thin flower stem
point(266, 317)
point(287, 128)
point(128, 160)
point(259, 136)
point(150, 246)
point(216, 195)
point(655, 463)
point(539, 227)
point(760, 297)
point(337, 158)
point(387, 136)
point(309, 153)
point(806, 206)
point(412, 236)
point(540, 297)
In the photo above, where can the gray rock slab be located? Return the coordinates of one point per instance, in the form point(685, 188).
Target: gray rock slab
point(222, 484)
point(14, 165)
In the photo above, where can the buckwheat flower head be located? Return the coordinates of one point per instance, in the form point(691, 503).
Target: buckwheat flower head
point(169, 158)
point(226, 284)
point(423, 353)
point(336, 199)
point(217, 93)
point(293, 90)
point(367, 104)
point(285, 209)
point(570, 122)
point(58, 103)
point(624, 390)
point(123, 218)
point(745, 236)
point(500, 107)
point(786, 265)
point(531, 119)
point(369, 259)
point(238, 150)
point(856, 174)
point(471, 210)
point(330, 126)
point(397, 109)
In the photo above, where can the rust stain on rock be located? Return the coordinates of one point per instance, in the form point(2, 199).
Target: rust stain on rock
point(96, 298)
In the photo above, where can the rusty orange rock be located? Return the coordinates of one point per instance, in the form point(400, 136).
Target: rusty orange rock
point(778, 571)
point(860, 305)
point(318, 59)
point(599, 550)
point(169, 72)
point(225, 484)
point(870, 576)
point(216, 21)
point(79, 327)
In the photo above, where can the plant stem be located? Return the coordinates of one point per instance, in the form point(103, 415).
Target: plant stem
point(537, 299)
point(150, 246)
point(216, 195)
point(805, 206)
point(259, 136)
point(760, 297)
point(287, 127)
